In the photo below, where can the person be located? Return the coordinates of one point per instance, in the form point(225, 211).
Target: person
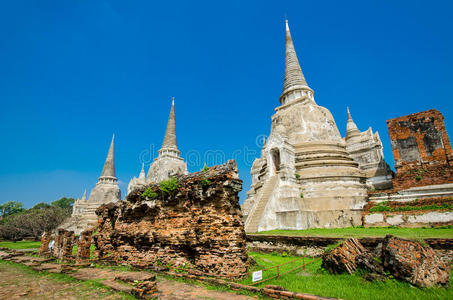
point(52, 242)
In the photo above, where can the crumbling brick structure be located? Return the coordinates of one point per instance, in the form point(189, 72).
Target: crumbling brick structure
point(58, 244)
point(68, 244)
point(421, 149)
point(45, 240)
point(64, 242)
point(83, 245)
point(198, 225)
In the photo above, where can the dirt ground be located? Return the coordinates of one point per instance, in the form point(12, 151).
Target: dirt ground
point(17, 283)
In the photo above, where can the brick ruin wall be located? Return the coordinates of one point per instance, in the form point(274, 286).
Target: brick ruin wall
point(198, 226)
point(83, 246)
point(64, 242)
point(421, 149)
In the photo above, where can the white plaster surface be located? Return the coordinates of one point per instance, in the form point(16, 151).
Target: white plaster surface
point(374, 218)
point(432, 217)
point(395, 220)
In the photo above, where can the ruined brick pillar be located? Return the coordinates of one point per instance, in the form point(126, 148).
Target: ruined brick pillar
point(83, 246)
point(45, 240)
point(58, 244)
point(421, 149)
point(68, 244)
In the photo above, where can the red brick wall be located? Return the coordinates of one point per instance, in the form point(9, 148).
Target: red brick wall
point(421, 149)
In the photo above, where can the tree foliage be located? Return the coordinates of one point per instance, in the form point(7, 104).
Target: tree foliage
point(16, 222)
point(32, 223)
point(64, 202)
point(41, 205)
point(10, 208)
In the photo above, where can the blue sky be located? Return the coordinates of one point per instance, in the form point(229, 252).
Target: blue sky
point(72, 73)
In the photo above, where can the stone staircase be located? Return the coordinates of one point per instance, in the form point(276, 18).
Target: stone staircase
point(256, 213)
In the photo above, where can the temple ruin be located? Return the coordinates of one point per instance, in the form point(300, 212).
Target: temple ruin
point(366, 149)
point(168, 163)
point(105, 191)
point(305, 177)
point(424, 174)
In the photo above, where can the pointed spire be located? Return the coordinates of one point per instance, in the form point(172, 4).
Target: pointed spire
point(142, 172)
point(351, 128)
point(170, 133)
point(294, 78)
point(109, 166)
point(84, 197)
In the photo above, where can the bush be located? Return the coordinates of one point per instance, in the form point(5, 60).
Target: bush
point(169, 186)
point(205, 168)
point(149, 193)
point(205, 182)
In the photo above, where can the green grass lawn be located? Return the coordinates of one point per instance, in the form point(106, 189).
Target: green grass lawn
point(314, 280)
point(415, 233)
point(20, 245)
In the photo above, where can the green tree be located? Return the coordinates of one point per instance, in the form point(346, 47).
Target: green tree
point(41, 205)
point(64, 202)
point(10, 208)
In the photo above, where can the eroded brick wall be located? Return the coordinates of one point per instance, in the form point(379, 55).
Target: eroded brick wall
point(421, 149)
point(83, 246)
point(58, 244)
point(199, 226)
point(45, 240)
point(64, 243)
